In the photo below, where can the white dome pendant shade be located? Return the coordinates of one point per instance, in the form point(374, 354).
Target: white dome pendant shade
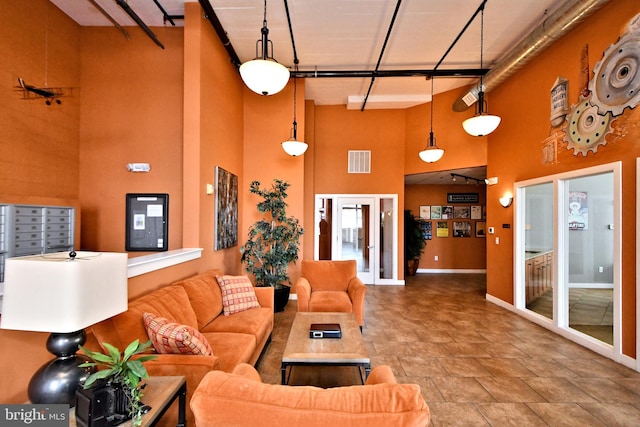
point(292, 146)
point(432, 153)
point(263, 74)
point(482, 123)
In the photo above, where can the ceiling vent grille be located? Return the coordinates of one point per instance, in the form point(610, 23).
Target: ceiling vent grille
point(359, 161)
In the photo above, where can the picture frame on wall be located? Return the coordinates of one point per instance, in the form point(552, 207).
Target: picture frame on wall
point(481, 229)
point(426, 230)
point(461, 229)
point(447, 212)
point(461, 212)
point(476, 212)
point(436, 212)
point(226, 214)
point(425, 212)
point(442, 229)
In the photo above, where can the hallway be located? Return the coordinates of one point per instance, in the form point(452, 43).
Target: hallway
point(479, 364)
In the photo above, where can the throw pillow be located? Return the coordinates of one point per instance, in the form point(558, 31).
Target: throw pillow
point(237, 294)
point(173, 338)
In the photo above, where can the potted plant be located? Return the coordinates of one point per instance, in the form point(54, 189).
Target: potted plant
point(121, 374)
point(414, 242)
point(272, 242)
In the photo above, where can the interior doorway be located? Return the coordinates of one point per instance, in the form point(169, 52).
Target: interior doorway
point(359, 227)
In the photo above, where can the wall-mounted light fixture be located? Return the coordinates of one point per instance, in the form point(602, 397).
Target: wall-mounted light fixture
point(506, 201)
point(491, 181)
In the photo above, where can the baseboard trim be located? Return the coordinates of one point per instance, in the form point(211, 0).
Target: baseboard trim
point(452, 270)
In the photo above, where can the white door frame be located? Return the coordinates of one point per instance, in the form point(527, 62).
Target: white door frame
point(375, 226)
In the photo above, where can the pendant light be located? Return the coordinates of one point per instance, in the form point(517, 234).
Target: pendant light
point(292, 146)
point(431, 153)
point(482, 123)
point(264, 75)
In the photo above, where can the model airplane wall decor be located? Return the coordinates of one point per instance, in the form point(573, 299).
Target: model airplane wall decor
point(50, 94)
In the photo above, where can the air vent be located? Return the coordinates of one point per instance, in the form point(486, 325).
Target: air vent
point(359, 161)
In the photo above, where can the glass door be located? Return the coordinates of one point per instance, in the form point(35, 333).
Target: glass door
point(355, 239)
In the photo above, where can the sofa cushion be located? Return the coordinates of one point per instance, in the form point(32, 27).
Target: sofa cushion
point(205, 295)
point(173, 338)
point(237, 294)
point(330, 301)
point(171, 302)
point(224, 399)
point(256, 322)
point(231, 348)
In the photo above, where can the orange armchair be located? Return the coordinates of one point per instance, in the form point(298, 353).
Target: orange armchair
point(327, 286)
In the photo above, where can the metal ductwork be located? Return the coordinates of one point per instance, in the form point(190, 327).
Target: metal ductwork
point(570, 14)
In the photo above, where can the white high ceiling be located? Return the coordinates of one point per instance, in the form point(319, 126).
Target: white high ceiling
point(349, 35)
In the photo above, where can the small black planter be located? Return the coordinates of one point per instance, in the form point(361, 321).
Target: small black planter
point(281, 298)
point(101, 406)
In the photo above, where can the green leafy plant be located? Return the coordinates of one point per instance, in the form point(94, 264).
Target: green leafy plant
point(414, 242)
point(273, 241)
point(121, 370)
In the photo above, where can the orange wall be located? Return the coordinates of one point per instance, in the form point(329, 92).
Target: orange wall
point(39, 145)
point(453, 252)
point(267, 123)
point(139, 119)
point(515, 148)
point(460, 149)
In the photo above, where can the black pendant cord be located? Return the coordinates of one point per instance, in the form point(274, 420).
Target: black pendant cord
point(464, 29)
point(384, 46)
point(295, 123)
point(431, 140)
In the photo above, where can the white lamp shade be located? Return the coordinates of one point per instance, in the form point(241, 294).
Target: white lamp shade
point(481, 124)
point(294, 148)
point(506, 201)
point(52, 293)
point(431, 155)
point(264, 76)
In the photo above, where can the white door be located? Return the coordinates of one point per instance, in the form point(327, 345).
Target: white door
point(355, 238)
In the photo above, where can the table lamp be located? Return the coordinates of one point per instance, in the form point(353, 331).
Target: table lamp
point(62, 293)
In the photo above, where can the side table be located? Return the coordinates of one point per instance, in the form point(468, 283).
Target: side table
point(160, 393)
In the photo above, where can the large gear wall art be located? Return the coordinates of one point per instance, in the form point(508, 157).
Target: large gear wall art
point(585, 128)
point(615, 86)
point(616, 82)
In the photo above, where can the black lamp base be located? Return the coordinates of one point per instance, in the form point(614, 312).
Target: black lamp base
point(57, 380)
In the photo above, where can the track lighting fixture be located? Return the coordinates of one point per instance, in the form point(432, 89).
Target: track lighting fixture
point(467, 179)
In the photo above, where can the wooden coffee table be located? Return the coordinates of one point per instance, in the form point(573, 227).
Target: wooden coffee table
point(301, 350)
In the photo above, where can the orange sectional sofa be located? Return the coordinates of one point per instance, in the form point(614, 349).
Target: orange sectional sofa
point(195, 302)
point(241, 399)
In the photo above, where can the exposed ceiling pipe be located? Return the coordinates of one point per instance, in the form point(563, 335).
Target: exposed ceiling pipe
point(110, 18)
point(123, 4)
point(473, 72)
point(222, 34)
point(384, 46)
point(570, 14)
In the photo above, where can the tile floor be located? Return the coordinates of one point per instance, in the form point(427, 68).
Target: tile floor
point(479, 364)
